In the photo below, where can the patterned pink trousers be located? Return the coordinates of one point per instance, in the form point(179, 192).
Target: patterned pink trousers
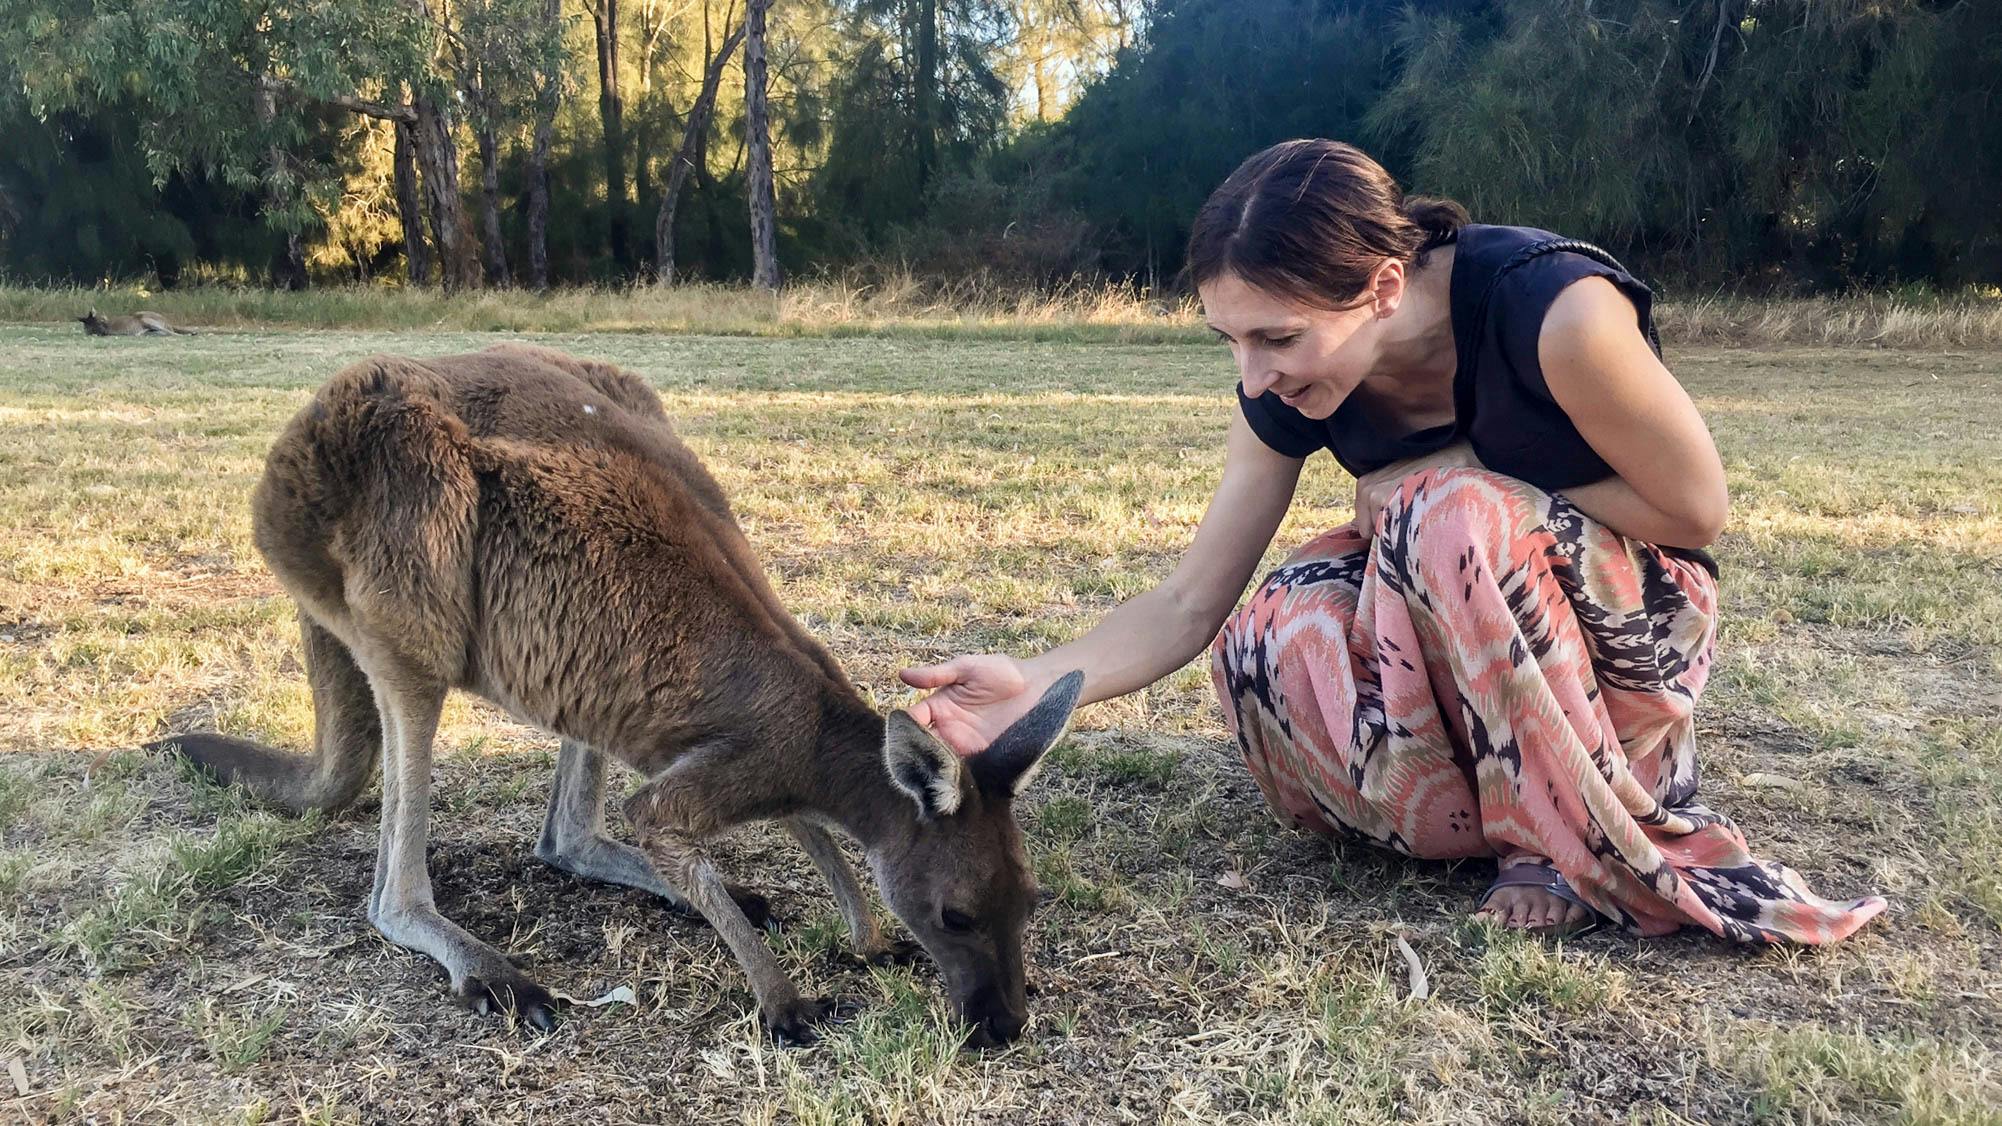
point(1502, 676)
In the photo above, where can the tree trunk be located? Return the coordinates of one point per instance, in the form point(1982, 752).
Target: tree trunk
point(611, 112)
point(288, 264)
point(758, 142)
point(547, 94)
point(538, 201)
point(438, 158)
point(416, 252)
point(687, 154)
point(288, 259)
point(927, 92)
point(642, 165)
point(493, 251)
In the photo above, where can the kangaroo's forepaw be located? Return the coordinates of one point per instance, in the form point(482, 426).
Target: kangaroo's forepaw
point(797, 1025)
point(526, 1001)
point(755, 907)
point(902, 952)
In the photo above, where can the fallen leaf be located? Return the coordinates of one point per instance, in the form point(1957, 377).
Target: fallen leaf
point(1234, 880)
point(619, 995)
point(1759, 781)
point(1421, 986)
point(20, 1076)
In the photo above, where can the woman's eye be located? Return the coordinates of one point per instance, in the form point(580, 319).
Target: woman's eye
point(1284, 341)
point(1221, 337)
point(956, 922)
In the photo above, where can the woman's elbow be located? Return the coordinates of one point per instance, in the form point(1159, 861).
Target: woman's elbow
point(1704, 521)
point(1195, 615)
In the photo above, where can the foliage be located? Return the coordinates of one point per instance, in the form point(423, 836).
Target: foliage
point(1810, 144)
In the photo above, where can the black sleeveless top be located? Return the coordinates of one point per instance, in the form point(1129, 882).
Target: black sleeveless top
point(1504, 282)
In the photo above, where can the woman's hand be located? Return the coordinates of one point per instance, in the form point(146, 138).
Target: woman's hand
point(1373, 491)
point(1375, 488)
point(974, 699)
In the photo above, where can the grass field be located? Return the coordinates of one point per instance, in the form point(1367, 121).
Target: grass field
point(170, 951)
point(902, 305)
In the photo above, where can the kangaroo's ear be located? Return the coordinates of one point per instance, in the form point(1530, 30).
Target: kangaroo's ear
point(1008, 763)
point(921, 766)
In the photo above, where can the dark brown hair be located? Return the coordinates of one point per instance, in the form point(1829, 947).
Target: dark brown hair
point(1310, 220)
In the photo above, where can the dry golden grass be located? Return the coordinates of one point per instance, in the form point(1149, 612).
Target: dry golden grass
point(893, 303)
point(168, 951)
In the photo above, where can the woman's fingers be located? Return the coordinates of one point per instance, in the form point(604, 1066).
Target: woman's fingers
point(932, 676)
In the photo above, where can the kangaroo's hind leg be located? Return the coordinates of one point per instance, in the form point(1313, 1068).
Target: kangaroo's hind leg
point(402, 906)
point(574, 839)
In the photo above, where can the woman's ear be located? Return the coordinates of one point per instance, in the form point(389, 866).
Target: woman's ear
point(1387, 287)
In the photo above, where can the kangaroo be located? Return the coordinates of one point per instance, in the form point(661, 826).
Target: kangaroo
point(527, 527)
point(138, 324)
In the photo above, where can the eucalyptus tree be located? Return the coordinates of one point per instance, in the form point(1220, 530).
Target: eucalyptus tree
point(507, 56)
point(765, 272)
point(695, 128)
point(917, 95)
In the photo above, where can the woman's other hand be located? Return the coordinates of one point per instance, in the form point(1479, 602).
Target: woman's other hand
point(1374, 489)
point(974, 699)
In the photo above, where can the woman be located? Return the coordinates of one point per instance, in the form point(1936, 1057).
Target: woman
point(1500, 655)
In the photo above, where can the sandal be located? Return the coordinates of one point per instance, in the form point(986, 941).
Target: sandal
point(1548, 879)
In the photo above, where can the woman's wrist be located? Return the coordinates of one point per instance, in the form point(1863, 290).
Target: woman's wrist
point(1038, 672)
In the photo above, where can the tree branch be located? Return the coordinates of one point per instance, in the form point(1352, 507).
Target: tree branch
point(349, 102)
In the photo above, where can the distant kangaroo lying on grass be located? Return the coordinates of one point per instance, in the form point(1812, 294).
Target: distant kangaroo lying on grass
point(138, 324)
point(526, 526)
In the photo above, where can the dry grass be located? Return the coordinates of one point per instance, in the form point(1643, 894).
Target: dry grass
point(889, 303)
point(168, 951)
point(901, 304)
point(1882, 320)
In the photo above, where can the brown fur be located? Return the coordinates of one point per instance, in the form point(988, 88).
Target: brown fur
point(526, 526)
point(138, 324)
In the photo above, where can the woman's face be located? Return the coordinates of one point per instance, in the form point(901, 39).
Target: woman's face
point(1312, 358)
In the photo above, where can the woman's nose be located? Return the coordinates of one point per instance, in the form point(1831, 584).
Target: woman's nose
point(1258, 379)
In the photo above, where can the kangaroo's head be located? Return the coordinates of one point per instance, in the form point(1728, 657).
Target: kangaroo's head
point(92, 323)
point(959, 878)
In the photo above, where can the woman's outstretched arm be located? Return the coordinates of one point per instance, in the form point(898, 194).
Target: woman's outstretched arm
point(1143, 639)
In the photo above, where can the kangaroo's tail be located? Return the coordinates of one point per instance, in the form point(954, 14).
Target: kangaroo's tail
point(347, 734)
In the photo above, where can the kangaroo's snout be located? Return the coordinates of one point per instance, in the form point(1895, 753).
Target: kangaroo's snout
point(993, 1022)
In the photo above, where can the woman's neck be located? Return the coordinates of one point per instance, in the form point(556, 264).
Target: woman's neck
point(1416, 354)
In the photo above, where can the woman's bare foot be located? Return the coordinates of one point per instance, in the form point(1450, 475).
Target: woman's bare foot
point(1532, 909)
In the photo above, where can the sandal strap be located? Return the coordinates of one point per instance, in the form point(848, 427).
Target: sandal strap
point(1541, 876)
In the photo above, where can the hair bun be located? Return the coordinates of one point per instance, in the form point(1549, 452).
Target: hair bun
point(1436, 216)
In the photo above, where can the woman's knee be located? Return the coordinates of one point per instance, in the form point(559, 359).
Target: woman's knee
point(1442, 513)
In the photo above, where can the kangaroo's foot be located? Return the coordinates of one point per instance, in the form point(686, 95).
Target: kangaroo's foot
point(482, 978)
point(401, 905)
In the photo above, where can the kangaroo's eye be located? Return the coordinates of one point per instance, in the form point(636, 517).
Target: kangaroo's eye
point(955, 922)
